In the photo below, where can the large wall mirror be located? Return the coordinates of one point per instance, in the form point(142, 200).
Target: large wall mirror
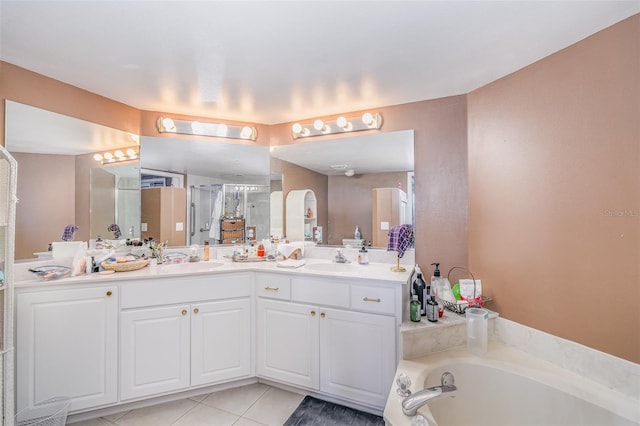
point(225, 188)
point(351, 177)
point(58, 178)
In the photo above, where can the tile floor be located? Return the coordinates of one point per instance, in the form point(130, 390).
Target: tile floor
point(251, 405)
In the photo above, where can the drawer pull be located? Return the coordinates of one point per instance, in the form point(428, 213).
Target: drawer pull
point(368, 299)
point(184, 312)
point(196, 310)
point(272, 288)
point(313, 313)
point(109, 293)
point(321, 314)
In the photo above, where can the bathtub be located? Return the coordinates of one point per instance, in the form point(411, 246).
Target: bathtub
point(509, 387)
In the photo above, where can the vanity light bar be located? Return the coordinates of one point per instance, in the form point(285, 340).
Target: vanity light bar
point(200, 128)
point(117, 156)
point(342, 124)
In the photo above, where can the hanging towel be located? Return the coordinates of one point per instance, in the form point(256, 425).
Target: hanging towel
point(216, 213)
point(115, 229)
point(67, 234)
point(400, 239)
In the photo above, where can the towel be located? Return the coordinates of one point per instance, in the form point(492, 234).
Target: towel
point(400, 239)
point(67, 234)
point(289, 249)
point(115, 229)
point(216, 213)
point(290, 263)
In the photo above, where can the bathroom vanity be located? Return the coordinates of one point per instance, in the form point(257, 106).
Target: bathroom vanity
point(165, 331)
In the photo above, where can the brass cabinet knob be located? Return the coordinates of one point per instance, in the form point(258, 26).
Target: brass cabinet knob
point(313, 313)
point(109, 293)
point(196, 310)
point(321, 314)
point(184, 312)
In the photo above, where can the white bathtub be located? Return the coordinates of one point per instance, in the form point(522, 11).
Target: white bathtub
point(509, 387)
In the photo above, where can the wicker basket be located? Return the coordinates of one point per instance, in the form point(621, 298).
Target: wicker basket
point(132, 265)
point(461, 306)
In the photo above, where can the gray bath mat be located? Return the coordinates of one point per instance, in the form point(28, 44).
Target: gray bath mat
point(315, 412)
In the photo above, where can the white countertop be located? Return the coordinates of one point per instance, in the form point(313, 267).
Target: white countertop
point(372, 271)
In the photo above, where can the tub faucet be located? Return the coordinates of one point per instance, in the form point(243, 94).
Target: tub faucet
point(411, 403)
point(340, 257)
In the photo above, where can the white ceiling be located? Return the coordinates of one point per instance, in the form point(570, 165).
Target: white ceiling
point(272, 62)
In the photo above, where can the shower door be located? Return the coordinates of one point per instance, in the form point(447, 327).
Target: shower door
point(204, 217)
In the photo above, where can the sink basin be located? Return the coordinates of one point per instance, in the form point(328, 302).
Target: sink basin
point(332, 267)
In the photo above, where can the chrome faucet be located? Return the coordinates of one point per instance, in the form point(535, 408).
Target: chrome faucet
point(340, 258)
point(411, 403)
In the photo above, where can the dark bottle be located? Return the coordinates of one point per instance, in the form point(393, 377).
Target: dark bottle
point(432, 309)
point(420, 290)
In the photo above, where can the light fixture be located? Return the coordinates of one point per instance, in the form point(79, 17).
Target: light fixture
point(349, 173)
point(367, 121)
point(117, 156)
point(201, 128)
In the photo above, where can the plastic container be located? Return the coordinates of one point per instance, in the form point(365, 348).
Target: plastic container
point(205, 251)
point(477, 330)
point(51, 412)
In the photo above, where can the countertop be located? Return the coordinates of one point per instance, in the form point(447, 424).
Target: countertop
point(372, 271)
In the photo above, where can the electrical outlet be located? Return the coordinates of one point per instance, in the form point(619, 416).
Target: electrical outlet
point(384, 226)
point(179, 226)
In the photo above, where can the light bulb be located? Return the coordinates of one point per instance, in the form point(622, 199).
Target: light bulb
point(119, 154)
point(168, 125)
point(296, 128)
point(318, 124)
point(131, 152)
point(247, 132)
point(341, 122)
point(97, 157)
point(108, 156)
point(367, 118)
point(221, 131)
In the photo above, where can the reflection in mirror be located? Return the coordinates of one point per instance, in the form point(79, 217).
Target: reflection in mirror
point(55, 158)
point(276, 205)
point(343, 173)
point(226, 185)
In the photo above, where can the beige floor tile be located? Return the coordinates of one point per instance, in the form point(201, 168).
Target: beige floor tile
point(115, 417)
point(203, 415)
point(199, 398)
point(93, 422)
point(158, 415)
point(243, 421)
point(236, 400)
point(274, 407)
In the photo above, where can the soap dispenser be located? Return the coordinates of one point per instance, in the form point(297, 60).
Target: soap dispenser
point(357, 234)
point(363, 255)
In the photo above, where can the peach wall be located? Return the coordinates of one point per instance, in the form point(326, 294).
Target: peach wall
point(42, 214)
point(554, 191)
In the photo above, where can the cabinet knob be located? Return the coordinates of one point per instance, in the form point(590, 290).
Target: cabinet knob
point(184, 312)
point(196, 310)
point(109, 293)
point(313, 313)
point(321, 314)
point(271, 288)
point(369, 299)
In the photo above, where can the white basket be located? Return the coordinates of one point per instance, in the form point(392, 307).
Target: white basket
point(51, 412)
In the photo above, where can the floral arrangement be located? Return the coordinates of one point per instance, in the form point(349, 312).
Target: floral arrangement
point(157, 250)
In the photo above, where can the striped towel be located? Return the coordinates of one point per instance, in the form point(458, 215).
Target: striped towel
point(67, 235)
point(400, 239)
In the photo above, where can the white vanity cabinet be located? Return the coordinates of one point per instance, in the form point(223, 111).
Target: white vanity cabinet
point(67, 345)
point(319, 339)
point(184, 332)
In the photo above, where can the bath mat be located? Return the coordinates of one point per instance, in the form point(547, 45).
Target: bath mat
point(315, 412)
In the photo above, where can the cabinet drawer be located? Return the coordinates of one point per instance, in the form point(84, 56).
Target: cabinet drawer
point(273, 286)
point(320, 292)
point(380, 300)
point(169, 291)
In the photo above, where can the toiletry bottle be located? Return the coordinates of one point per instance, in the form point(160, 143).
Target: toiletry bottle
point(357, 234)
point(419, 289)
point(432, 309)
point(260, 250)
point(363, 256)
point(205, 254)
point(414, 309)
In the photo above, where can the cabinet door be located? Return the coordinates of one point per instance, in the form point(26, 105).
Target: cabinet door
point(67, 345)
point(220, 341)
point(288, 343)
point(357, 355)
point(154, 350)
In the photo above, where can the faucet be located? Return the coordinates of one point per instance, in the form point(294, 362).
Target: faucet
point(340, 258)
point(411, 403)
